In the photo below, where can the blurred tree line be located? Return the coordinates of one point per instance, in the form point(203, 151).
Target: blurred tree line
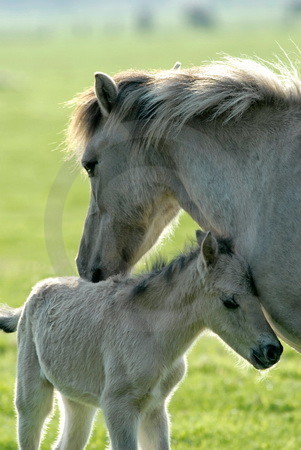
point(147, 15)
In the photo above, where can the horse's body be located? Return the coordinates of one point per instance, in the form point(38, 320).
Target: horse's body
point(119, 344)
point(223, 142)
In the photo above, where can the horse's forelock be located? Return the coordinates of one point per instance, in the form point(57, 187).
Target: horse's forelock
point(84, 121)
point(87, 115)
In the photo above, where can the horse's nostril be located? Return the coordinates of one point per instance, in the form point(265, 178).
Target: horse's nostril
point(97, 275)
point(272, 352)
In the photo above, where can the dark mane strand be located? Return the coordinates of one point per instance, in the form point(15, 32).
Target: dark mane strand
point(167, 269)
point(158, 264)
point(225, 245)
point(252, 283)
point(140, 287)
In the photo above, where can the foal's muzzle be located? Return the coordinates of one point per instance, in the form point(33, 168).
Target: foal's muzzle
point(266, 356)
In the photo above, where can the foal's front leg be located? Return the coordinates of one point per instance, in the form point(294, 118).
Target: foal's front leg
point(122, 422)
point(154, 426)
point(76, 424)
point(154, 429)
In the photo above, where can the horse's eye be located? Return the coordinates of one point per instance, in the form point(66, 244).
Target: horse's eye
point(230, 302)
point(89, 166)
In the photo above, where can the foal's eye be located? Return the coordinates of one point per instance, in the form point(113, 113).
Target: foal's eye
point(230, 302)
point(89, 166)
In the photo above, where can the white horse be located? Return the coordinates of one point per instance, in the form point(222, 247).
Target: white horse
point(119, 344)
point(223, 142)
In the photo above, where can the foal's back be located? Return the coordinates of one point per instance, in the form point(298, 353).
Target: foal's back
point(70, 318)
point(80, 328)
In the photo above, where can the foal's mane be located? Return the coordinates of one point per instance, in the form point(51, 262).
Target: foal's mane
point(164, 101)
point(167, 270)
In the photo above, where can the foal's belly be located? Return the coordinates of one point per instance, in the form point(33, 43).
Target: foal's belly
point(74, 389)
point(76, 379)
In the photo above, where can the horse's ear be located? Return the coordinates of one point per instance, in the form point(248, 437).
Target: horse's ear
point(106, 92)
point(177, 66)
point(209, 249)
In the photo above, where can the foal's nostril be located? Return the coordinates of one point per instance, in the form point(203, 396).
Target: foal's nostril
point(272, 352)
point(266, 356)
point(97, 275)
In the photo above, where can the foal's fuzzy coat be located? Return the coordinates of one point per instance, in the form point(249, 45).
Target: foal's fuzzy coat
point(119, 344)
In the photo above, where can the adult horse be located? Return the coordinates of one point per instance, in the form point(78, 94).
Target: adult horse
point(223, 142)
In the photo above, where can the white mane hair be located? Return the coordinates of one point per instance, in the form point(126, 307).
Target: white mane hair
point(162, 102)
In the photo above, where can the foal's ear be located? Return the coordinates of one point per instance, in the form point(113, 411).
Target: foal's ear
point(177, 66)
point(200, 236)
point(209, 249)
point(106, 92)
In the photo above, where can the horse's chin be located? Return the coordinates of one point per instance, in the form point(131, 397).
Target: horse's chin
point(100, 274)
point(94, 276)
point(97, 275)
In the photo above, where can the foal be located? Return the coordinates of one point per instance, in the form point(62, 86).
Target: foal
point(119, 344)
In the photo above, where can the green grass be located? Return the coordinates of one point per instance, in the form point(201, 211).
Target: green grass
point(220, 404)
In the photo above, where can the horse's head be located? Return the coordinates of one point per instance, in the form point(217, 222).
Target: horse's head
point(232, 307)
point(131, 197)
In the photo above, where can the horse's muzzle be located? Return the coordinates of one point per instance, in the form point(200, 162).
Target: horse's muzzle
point(97, 275)
point(266, 356)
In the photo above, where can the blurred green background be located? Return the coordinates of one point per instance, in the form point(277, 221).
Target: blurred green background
point(46, 57)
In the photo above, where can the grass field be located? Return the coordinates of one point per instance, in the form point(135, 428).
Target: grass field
point(220, 404)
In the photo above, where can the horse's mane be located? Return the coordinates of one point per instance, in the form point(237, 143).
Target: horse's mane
point(164, 101)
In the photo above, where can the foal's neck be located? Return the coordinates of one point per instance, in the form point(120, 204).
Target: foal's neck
point(173, 299)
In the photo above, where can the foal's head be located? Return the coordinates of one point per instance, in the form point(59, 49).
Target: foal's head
point(231, 307)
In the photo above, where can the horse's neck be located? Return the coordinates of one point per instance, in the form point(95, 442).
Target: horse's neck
point(222, 175)
point(244, 181)
point(180, 314)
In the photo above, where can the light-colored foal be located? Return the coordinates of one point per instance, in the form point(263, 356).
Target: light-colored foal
point(119, 344)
